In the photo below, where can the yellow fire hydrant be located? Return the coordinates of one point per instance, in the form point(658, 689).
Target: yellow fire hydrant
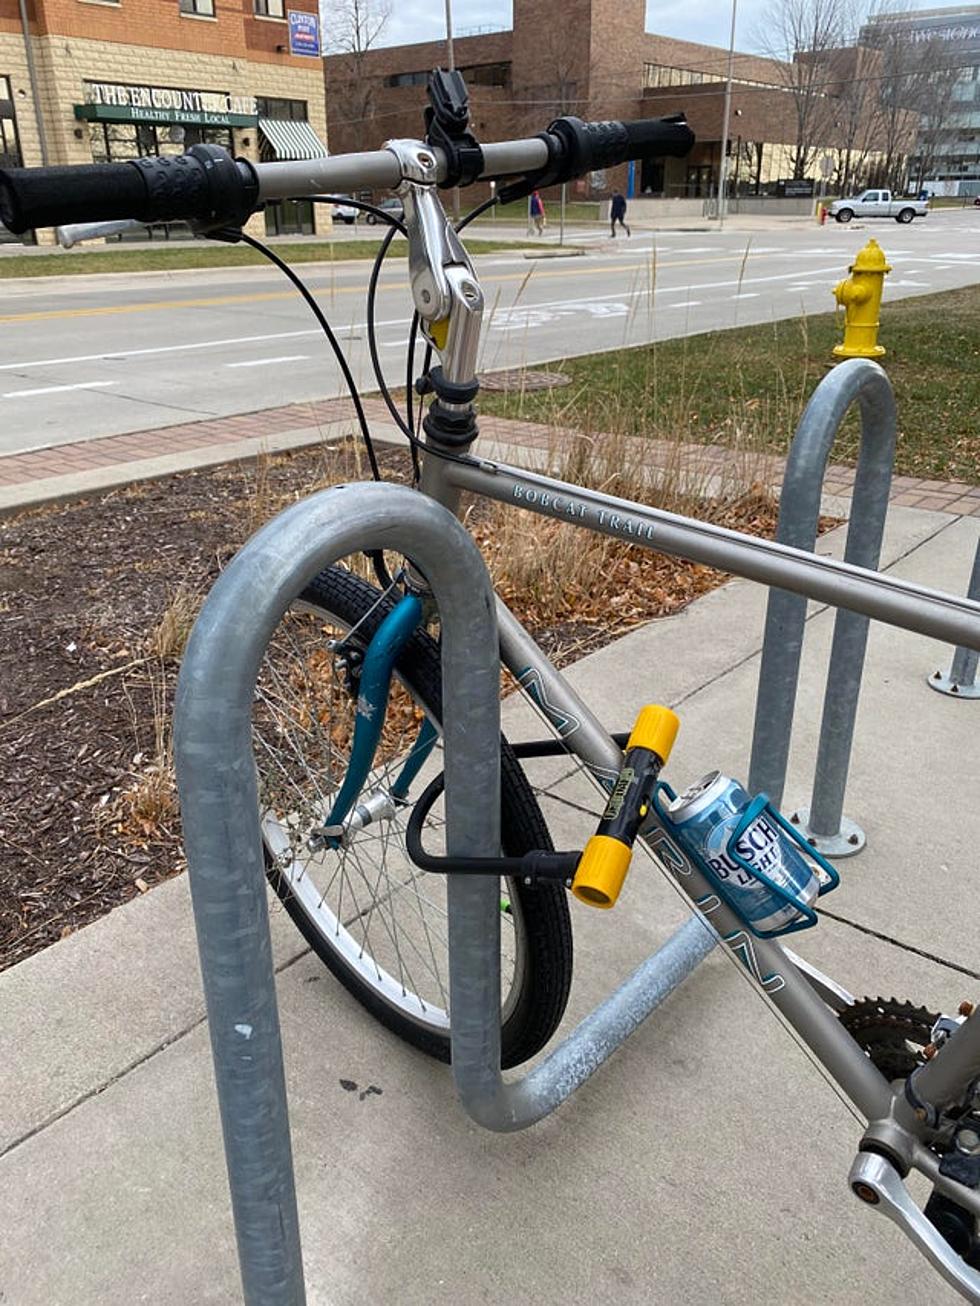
point(860, 295)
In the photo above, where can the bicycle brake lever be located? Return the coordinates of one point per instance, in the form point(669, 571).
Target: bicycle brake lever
point(876, 1182)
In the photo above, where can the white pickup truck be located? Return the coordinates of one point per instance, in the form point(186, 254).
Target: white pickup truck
point(878, 204)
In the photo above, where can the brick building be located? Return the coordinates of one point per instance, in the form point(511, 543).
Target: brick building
point(116, 79)
point(596, 60)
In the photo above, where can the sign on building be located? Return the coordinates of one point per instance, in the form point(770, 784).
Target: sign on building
point(304, 34)
point(118, 102)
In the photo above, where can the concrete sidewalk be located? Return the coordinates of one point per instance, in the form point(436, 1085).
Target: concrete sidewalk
point(706, 1164)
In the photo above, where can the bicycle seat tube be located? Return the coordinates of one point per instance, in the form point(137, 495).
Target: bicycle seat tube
point(447, 296)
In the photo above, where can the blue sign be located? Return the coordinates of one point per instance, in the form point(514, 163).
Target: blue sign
point(304, 33)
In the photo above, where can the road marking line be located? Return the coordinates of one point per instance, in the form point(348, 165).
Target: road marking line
point(163, 349)
point(268, 362)
point(688, 303)
point(217, 301)
point(118, 355)
point(56, 389)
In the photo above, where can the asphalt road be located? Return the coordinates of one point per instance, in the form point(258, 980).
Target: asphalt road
point(84, 357)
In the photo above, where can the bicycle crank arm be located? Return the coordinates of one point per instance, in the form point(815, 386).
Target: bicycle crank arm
point(876, 1181)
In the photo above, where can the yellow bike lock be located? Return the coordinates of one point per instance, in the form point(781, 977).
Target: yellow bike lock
point(603, 865)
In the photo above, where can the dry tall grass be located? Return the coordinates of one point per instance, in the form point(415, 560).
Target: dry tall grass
point(557, 568)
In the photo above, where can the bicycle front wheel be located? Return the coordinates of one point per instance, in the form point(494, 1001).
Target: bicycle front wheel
point(376, 921)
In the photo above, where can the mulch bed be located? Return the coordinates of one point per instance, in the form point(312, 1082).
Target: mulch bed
point(88, 813)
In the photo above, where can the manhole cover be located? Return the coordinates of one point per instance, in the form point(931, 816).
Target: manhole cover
point(519, 378)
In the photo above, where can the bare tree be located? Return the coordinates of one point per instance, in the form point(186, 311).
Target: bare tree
point(353, 27)
point(560, 78)
point(915, 99)
point(802, 36)
point(855, 88)
point(937, 121)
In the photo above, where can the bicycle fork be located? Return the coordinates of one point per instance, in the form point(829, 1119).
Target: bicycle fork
point(353, 808)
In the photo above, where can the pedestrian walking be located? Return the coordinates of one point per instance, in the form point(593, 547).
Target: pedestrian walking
point(617, 213)
point(536, 209)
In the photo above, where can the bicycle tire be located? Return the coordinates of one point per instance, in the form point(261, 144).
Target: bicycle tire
point(542, 939)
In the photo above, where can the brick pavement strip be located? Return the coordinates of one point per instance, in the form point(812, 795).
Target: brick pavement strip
point(62, 461)
point(966, 507)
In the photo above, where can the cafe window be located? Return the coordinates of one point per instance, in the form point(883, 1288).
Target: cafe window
point(283, 110)
point(202, 8)
point(271, 8)
point(9, 144)
point(116, 142)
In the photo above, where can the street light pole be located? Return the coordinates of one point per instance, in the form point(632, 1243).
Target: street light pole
point(450, 53)
point(32, 77)
point(723, 168)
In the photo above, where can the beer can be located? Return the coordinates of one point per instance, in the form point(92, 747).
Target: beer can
point(704, 817)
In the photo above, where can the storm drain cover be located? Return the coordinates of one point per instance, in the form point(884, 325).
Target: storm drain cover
point(520, 378)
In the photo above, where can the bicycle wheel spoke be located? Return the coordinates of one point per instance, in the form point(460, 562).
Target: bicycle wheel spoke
point(377, 921)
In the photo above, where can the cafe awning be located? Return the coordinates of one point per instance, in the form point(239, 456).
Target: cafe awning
point(292, 140)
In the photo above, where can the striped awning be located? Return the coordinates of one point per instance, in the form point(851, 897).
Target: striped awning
point(292, 140)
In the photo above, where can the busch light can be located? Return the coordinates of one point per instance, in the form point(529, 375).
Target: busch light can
point(704, 817)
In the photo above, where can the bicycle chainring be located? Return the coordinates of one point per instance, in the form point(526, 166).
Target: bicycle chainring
point(892, 1033)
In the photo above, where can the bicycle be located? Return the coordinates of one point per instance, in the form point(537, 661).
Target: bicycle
point(348, 709)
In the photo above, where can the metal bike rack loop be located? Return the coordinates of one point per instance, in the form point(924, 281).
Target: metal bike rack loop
point(220, 815)
point(857, 380)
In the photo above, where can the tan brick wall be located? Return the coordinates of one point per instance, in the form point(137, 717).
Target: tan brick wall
point(65, 65)
point(66, 61)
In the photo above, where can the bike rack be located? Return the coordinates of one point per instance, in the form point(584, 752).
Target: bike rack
point(219, 804)
point(857, 380)
point(220, 815)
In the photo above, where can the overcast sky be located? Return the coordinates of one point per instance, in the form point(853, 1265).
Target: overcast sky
point(707, 21)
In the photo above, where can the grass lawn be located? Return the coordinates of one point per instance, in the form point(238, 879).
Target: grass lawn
point(209, 254)
point(748, 386)
point(575, 211)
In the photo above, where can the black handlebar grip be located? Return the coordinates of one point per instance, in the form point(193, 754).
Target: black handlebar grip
point(49, 197)
point(578, 147)
point(654, 138)
point(205, 186)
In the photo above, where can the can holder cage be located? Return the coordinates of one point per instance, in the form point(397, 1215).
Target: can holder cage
point(760, 805)
point(220, 814)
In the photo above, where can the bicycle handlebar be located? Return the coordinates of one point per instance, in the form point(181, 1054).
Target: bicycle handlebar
point(208, 187)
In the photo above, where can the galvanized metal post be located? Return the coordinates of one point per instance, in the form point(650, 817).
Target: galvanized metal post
point(961, 681)
point(219, 805)
point(861, 381)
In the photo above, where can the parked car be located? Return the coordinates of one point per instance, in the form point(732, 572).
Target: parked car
point(392, 205)
point(878, 204)
point(344, 213)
